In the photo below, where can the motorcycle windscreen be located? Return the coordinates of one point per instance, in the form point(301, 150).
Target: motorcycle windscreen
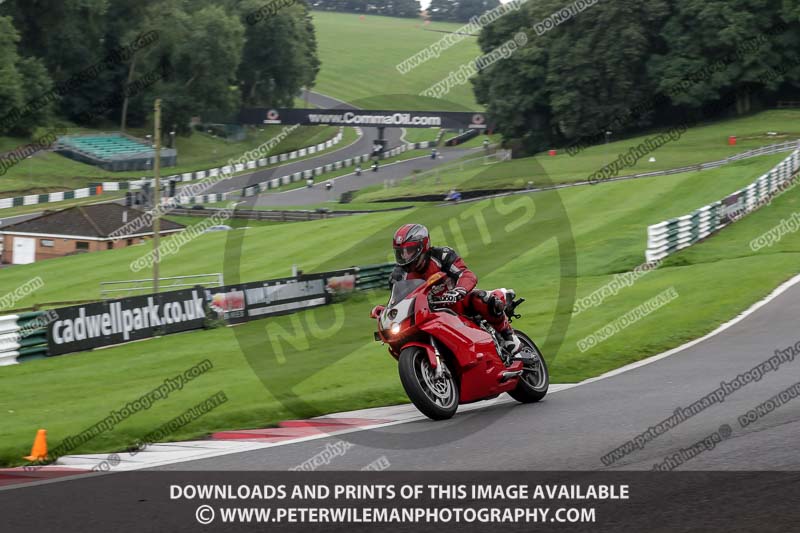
point(403, 288)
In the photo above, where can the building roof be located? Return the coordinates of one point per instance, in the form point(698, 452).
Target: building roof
point(97, 221)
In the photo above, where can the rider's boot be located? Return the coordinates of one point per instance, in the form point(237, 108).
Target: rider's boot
point(511, 342)
point(512, 345)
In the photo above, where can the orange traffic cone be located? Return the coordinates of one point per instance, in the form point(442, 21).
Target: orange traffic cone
point(39, 449)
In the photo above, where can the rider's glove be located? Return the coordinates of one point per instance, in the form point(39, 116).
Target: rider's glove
point(453, 296)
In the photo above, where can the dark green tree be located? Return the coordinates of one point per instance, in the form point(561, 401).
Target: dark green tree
point(11, 83)
point(389, 8)
point(402, 8)
point(718, 47)
point(459, 10)
point(126, 22)
point(36, 83)
point(279, 57)
point(442, 10)
point(574, 79)
point(626, 65)
point(199, 53)
point(68, 36)
point(22, 82)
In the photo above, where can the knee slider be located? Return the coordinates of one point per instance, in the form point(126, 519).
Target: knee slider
point(497, 305)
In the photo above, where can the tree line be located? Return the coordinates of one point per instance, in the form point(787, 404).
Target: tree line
point(439, 10)
point(627, 65)
point(94, 61)
point(389, 8)
point(459, 10)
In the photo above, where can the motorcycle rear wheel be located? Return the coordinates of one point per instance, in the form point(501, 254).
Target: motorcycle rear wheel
point(535, 379)
point(436, 398)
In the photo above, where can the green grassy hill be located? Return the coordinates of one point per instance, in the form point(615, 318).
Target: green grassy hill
point(698, 145)
point(359, 56)
point(50, 172)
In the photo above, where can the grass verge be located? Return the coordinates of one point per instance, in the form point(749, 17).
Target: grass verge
point(51, 172)
point(698, 145)
point(340, 367)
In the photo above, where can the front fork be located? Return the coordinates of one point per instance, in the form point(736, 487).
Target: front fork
point(439, 373)
point(433, 353)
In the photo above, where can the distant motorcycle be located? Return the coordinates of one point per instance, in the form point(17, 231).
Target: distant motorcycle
point(446, 359)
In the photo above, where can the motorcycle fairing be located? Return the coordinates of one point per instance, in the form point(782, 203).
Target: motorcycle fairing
point(481, 367)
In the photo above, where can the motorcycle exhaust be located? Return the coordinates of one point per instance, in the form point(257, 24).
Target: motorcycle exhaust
point(510, 375)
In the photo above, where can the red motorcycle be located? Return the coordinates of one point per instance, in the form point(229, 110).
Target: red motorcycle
point(446, 359)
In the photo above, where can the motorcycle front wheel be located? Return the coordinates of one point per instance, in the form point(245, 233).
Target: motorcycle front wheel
point(435, 397)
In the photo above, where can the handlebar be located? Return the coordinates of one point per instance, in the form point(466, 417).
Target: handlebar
point(512, 307)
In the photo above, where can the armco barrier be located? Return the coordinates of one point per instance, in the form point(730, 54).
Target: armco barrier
point(373, 276)
point(461, 138)
point(278, 215)
point(272, 215)
point(787, 146)
point(33, 343)
point(668, 237)
point(110, 186)
point(9, 340)
point(274, 183)
point(21, 338)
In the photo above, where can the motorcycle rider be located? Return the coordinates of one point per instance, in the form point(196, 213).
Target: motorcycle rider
point(416, 259)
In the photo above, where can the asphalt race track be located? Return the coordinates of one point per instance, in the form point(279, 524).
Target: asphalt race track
point(565, 436)
point(305, 196)
point(572, 429)
point(351, 182)
point(362, 146)
point(348, 182)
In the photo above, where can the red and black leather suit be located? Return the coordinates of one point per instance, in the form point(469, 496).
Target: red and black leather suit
point(489, 305)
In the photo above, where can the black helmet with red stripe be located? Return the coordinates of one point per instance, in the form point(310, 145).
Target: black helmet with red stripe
point(411, 244)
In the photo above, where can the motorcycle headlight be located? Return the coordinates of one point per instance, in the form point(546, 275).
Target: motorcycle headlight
point(392, 317)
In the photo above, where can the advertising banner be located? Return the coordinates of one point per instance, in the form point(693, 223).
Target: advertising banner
point(83, 327)
point(248, 301)
point(359, 117)
point(733, 207)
